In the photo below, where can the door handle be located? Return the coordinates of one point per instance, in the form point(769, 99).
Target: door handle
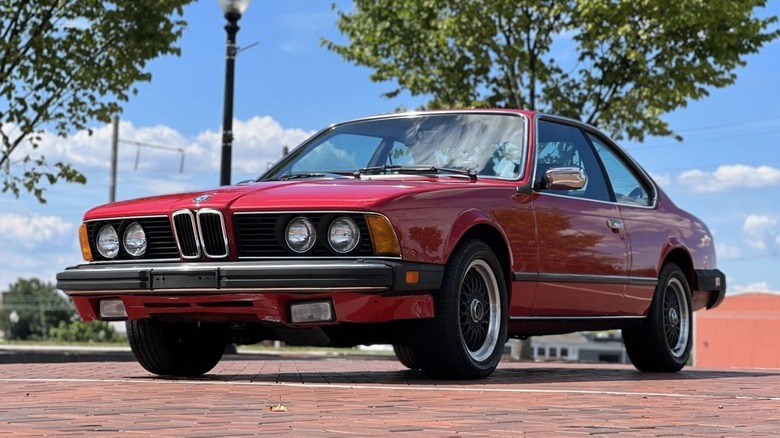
point(615, 224)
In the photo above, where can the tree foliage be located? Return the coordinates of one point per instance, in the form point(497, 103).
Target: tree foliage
point(65, 63)
point(31, 308)
point(620, 65)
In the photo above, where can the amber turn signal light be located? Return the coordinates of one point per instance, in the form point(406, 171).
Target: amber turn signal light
point(382, 236)
point(84, 241)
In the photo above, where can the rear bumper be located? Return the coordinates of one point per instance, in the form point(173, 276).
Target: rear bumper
point(713, 281)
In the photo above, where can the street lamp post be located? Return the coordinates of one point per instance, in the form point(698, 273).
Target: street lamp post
point(232, 10)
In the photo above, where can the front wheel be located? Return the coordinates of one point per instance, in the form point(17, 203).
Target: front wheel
point(176, 349)
point(662, 342)
point(405, 355)
point(466, 338)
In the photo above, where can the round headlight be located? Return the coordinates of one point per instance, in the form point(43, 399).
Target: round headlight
point(300, 235)
point(135, 240)
point(108, 242)
point(343, 235)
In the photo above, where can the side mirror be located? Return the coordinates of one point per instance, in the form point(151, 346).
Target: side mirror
point(565, 178)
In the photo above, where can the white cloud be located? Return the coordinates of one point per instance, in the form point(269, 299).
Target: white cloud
point(727, 252)
point(662, 180)
point(758, 225)
point(732, 176)
point(759, 286)
point(32, 230)
point(760, 231)
point(257, 142)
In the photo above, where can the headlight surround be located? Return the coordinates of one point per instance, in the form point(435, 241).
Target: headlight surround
point(107, 242)
point(300, 235)
point(343, 235)
point(134, 240)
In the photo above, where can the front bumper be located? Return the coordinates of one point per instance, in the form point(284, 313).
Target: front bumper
point(361, 291)
point(307, 276)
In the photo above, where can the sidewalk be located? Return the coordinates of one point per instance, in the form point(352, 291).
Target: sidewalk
point(10, 353)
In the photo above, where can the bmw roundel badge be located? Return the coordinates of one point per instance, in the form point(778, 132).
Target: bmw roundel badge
point(201, 198)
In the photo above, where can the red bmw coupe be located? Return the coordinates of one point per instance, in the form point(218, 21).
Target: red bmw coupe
point(442, 233)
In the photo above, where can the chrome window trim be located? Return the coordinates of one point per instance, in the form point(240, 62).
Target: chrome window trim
point(224, 232)
point(194, 230)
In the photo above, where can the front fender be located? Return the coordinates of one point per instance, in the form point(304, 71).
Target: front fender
point(466, 222)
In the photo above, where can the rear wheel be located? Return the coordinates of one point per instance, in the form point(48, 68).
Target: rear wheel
point(466, 338)
point(662, 342)
point(176, 349)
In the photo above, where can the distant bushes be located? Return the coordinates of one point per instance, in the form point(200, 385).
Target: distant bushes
point(80, 331)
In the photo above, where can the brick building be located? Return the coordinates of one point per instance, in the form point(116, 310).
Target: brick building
point(740, 333)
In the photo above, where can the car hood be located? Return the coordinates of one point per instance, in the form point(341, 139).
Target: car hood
point(339, 193)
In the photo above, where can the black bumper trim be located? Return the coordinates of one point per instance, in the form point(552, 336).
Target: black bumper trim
point(712, 280)
point(376, 276)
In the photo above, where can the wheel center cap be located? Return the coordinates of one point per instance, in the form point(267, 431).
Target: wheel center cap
point(477, 310)
point(674, 317)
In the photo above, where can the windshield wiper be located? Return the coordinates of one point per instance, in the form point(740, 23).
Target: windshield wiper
point(303, 175)
point(398, 168)
point(299, 175)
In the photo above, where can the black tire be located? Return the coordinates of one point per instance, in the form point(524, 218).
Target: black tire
point(405, 355)
point(176, 349)
point(662, 342)
point(466, 338)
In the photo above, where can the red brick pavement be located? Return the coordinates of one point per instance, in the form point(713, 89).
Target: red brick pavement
point(337, 396)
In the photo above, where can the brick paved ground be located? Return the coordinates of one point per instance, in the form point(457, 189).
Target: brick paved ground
point(337, 396)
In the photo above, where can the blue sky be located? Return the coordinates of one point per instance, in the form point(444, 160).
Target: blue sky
point(726, 171)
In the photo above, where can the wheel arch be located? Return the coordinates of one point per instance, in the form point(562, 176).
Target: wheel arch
point(496, 241)
point(680, 257)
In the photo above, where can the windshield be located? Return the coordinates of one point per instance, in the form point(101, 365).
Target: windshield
point(491, 145)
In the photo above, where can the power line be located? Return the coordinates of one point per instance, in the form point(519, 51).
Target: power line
point(141, 144)
point(690, 143)
point(731, 125)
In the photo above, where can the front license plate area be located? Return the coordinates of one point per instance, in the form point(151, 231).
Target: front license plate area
point(201, 279)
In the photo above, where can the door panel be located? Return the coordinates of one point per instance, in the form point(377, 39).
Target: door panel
point(582, 261)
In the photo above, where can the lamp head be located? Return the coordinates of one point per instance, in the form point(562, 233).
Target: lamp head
point(232, 7)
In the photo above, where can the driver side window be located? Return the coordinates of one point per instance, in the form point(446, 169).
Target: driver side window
point(560, 145)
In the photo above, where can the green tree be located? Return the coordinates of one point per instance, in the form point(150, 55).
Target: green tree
point(619, 65)
point(65, 63)
point(31, 308)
